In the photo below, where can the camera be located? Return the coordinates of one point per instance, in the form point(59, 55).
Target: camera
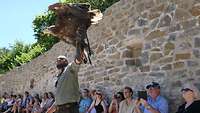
point(142, 94)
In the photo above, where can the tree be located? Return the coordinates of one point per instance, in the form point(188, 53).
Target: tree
point(95, 4)
point(47, 19)
point(17, 55)
point(40, 23)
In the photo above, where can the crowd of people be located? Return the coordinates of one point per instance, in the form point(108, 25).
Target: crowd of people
point(67, 97)
point(123, 102)
point(94, 101)
point(27, 103)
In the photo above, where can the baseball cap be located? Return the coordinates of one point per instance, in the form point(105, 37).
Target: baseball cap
point(154, 85)
point(62, 57)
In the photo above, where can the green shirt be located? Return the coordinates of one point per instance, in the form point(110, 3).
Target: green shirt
point(67, 89)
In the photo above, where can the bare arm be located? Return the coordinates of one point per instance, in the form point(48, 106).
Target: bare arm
point(91, 106)
point(104, 107)
point(137, 106)
point(52, 109)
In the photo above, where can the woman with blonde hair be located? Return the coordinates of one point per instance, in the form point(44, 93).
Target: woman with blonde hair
point(98, 104)
point(191, 95)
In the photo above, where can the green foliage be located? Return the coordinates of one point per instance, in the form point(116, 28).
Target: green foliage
point(17, 55)
point(40, 23)
point(47, 19)
point(21, 53)
point(95, 4)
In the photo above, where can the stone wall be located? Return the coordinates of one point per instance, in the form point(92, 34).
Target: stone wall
point(138, 41)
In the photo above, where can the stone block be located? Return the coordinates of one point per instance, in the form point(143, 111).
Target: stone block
point(127, 54)
point(158, 8)
point(113, 70)
point(136, 53)
point(99, 49)
point(97, 80)
point(196, 53)
point(142, 22)
point(155, 56)
point(189, 23)
point(182, 14)
point(165, 21)
point(197, 72)
point(138, 62)
point(147, 46)
point(144, 5)
point(145, 68)
point(178, 65)
point(165, 60)
point(113, 41)
point(184, 46)
point(111, 50)
point(177, 83)
point(145, 30)
point(130, 62)
point(145, 57)
point(168, 47)
point(157, 74)
point(154, 23)
point(154, 15)
point(156, 49)
point(172, 37)
point(197, 42)
point(182, 56)
point(90, 78)
point(170, 8)
point(135, 32)
point(155, 34)
point(174, 28)
point(192, 63)
point(106, 78)
point(114, 55)
point(167, 67)
point(192, 31)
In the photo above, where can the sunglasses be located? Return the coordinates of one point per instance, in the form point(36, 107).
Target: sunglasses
point(185, 90)
point(60, 59)
point(98, 93)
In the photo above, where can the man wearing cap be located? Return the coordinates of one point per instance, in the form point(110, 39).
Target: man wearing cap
point(191, 96)
point(155, 103)
point(67, 87)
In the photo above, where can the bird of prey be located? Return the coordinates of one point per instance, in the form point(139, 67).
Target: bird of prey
point(72, 22)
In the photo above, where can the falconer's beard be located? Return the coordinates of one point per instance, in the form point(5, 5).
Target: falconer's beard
point(61, 66)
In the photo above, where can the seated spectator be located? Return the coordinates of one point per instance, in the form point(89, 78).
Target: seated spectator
point(50, 102)
point(92, 94)
point(51, 99)
point(127, 105)
point(114, 105)
point(1, 100)
point(98, 104)
point(26, 103)
point(44, 104)
point(10, 102)
point(36, 106)
point(16, 106)
point(85, 101)
point(155, 103)
point(3, 106)
point(191, 96)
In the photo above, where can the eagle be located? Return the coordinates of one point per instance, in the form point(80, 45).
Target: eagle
point(71, 24)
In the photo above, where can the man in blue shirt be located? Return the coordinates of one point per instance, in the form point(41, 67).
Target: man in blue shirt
point(155, 103)
point(85, 101)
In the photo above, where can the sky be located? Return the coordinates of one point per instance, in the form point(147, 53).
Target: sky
point(16, 18)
